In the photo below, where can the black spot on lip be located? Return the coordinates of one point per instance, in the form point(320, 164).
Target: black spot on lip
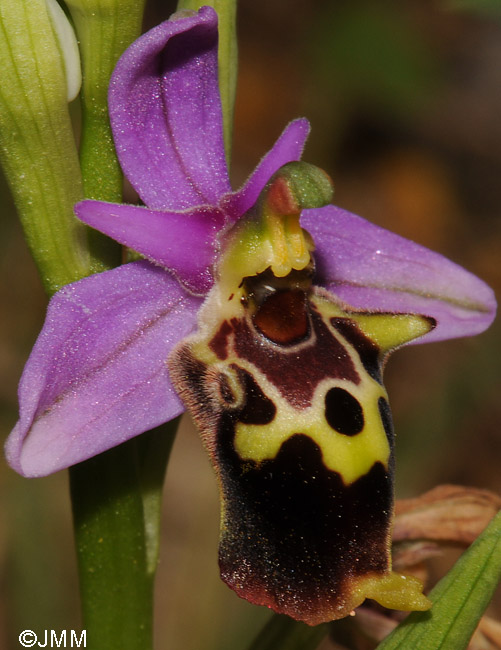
point(343, 412)
point(257, 409)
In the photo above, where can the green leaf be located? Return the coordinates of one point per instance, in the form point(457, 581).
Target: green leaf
point(459, 599)
point(283, 633)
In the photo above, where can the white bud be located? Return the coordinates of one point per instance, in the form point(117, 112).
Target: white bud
point(68, 46)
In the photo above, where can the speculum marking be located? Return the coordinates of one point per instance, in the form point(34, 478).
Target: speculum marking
point(283, 317)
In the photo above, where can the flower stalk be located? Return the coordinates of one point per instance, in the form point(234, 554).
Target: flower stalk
point(116, 510)
point(115, 496)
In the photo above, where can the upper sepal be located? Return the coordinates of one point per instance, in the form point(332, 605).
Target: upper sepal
point(165, 112)
point(97, 374)
point(373, 269)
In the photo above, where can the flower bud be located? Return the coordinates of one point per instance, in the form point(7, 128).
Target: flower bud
point(68, 47)
point(37, 145)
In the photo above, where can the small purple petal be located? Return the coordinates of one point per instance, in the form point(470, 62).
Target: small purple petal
point(287, 148)
point(373, 269)
point(165, 113)
point(97, 375)
point(182, 242)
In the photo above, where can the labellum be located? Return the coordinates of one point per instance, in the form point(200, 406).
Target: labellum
point(284, 383)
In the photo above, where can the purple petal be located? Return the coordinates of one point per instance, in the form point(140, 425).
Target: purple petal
point(371, 268)
point(165, 113)
point(181, 242)
point(287, 148)
point(97, 375)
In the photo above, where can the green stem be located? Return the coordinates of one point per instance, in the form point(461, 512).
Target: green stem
point(116, 510)
point(116, 497)
point(104, 30)
point(227, 59)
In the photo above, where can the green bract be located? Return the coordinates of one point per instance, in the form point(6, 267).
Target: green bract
point(37, 148)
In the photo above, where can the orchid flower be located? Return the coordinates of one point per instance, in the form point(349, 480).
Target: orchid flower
point(98, 373)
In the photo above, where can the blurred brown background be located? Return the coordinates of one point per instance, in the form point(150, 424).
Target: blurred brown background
point(404, 98)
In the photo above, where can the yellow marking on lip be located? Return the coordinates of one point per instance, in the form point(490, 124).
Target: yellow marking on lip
point(350, 456)
point(387, 330)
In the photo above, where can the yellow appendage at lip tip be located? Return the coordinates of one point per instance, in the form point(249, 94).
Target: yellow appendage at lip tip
point(394, 591)
point(391, 590)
